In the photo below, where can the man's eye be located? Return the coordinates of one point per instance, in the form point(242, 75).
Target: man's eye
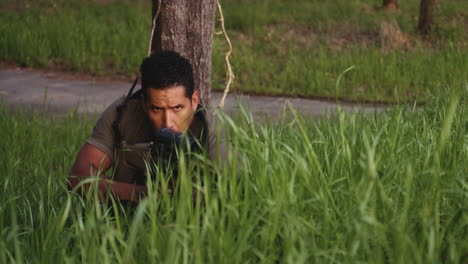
point(178, 107)
point(155, 108)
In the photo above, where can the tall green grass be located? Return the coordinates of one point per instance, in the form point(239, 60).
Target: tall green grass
point(296, 48)
point(386, 187)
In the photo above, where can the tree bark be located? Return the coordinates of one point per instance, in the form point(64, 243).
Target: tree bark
point(186, 26)
point(427, 16)
point(391, 5)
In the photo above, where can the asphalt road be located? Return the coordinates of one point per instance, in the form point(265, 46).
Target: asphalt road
point(48, 90)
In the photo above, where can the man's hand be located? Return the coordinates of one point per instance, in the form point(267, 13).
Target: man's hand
point(92, 162)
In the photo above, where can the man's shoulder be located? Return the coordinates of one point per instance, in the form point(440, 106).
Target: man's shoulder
point(127, 111)
point(111, 110)
point(102, 136)
point(134, 125)
point(121, 116)
point(128, 107)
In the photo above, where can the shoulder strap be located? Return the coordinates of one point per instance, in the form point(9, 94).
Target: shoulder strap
point(120, 109)
point(131, 90)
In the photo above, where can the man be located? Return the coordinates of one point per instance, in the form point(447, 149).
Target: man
point(167, 100)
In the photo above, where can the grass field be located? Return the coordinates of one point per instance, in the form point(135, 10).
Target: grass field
point(389, 187)
point(295, 47)
point(386, 187)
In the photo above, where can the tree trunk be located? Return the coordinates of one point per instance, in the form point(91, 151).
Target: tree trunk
point(427, 16)
point(391, 5)
point(186, 26)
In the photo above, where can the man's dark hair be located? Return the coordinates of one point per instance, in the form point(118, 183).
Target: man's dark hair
point(165, 69)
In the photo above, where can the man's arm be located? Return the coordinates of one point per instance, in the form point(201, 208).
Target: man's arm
point(89, 163)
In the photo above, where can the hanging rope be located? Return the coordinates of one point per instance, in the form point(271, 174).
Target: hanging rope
point(153, 26)
point(229, 73)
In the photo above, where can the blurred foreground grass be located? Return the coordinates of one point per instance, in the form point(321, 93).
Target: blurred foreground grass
point(389, 187)
point(297, 48)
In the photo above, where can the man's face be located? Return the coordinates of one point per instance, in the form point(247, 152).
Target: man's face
point(170, 108)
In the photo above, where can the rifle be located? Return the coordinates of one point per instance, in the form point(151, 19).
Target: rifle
point(164, 147)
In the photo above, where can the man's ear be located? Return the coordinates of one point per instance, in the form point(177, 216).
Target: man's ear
point(195, 100)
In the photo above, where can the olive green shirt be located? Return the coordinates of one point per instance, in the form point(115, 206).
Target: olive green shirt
point(135, 127)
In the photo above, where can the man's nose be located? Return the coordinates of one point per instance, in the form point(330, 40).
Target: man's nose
point(169, 120)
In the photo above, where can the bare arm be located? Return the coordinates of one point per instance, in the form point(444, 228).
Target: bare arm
point(91, 161)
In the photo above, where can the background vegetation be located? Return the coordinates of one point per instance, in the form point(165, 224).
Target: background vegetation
point(295, 47)
point(389, 187)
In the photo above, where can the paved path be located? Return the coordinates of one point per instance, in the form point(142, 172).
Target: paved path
point(38, 89)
